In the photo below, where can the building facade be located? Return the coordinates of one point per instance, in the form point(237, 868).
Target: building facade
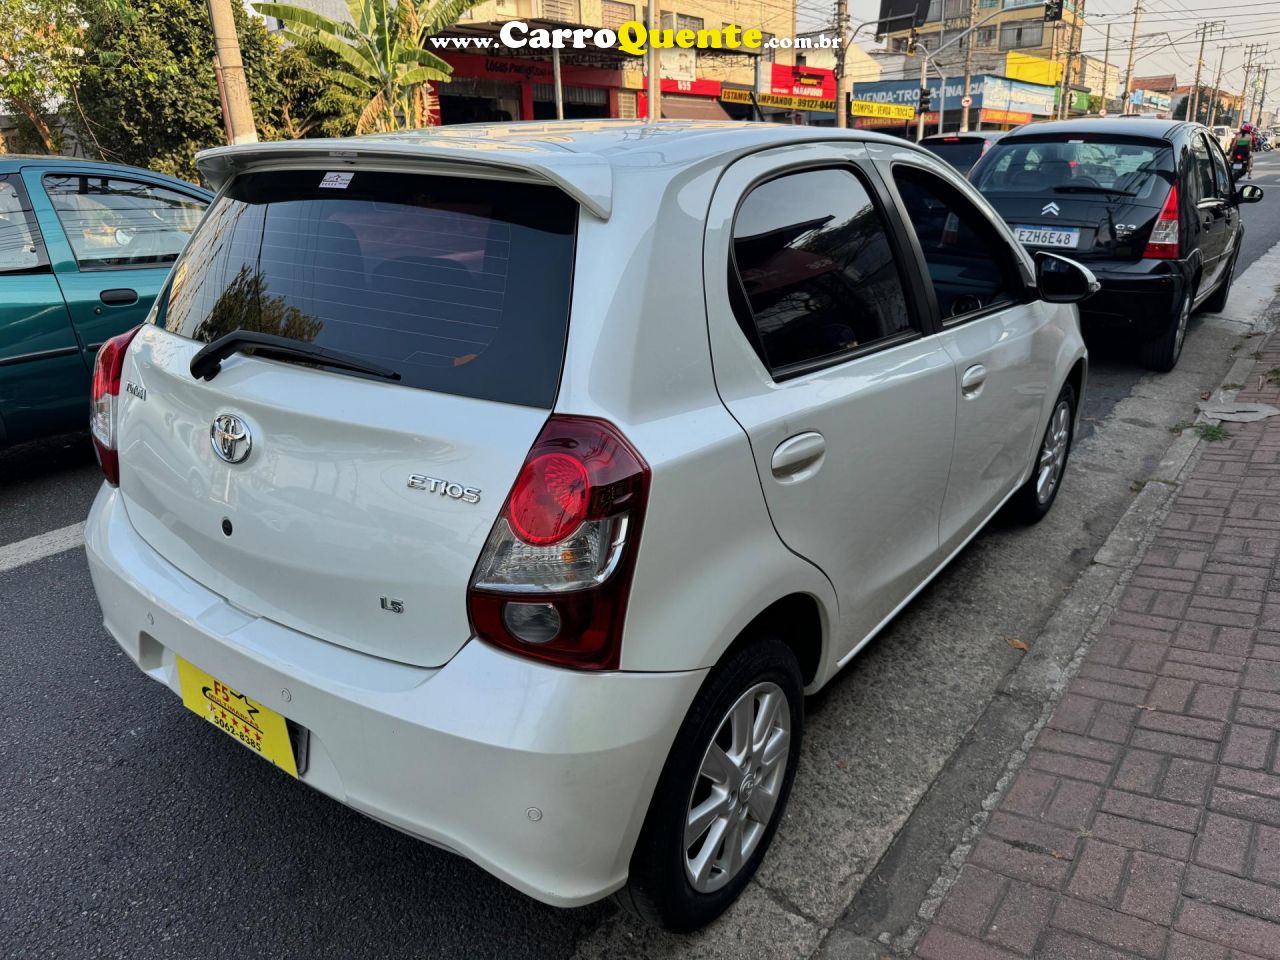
point(1010, 26)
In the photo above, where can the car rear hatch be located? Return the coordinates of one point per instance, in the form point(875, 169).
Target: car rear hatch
point(1090, 196)
point(343, 504)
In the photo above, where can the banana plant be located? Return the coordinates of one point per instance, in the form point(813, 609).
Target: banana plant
point(382, 54)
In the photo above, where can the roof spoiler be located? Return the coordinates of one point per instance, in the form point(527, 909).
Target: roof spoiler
point(587, 178)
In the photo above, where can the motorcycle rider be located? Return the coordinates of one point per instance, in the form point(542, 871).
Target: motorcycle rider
point(1242, 149)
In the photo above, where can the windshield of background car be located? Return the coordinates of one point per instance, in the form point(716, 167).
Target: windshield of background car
point(1066, 164)
point(961, 154)
point(460, 285)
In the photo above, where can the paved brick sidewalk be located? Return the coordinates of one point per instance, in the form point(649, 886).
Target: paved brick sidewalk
point(1146, 821)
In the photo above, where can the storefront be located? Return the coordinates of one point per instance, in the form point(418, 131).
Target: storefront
point(997, 102)
point(686, 100)
point(485, 89)
point(787, 94)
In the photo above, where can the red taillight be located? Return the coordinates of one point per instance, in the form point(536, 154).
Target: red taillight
point(107, 367)
point(553, 579)
point(1165, 242)
point(549, 499)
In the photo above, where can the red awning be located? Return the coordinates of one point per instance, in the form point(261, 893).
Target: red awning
point(676, 107)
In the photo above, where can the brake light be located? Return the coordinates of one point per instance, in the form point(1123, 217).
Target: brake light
point(553, 579)
point(103, 401)
point(1165, 242)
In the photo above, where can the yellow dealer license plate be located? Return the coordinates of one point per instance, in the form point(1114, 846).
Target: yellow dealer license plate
point(261, 730)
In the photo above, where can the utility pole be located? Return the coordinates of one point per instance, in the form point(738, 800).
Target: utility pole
point(1073, 50)
point(1106, 70)
point(1193, 103)
point(1217, 88)
point(233, 88)
point(968, 74)
point(842, 30)
point(655, 70)
point(1261, 94)
point(1252, 52)
point(1133, 48)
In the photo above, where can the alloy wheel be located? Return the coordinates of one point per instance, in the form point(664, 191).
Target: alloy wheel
point(737, 787)
point(1184, 318)
point(1053, 452)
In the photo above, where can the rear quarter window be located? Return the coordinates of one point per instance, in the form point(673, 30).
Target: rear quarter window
point(460, 285)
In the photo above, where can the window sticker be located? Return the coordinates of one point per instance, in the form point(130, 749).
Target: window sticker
point(336, 181)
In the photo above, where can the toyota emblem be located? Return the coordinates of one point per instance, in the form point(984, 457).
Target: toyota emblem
point(230, 438)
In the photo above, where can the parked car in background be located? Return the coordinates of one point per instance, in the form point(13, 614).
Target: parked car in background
point(1224, 136)
point(403, 474)
point(84, 249)
point(1150, 206)
point(962, 150)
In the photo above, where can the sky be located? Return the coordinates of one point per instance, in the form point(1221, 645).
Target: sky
point(1167, 37)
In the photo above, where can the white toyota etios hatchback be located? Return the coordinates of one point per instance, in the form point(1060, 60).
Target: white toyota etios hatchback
point(513, 484)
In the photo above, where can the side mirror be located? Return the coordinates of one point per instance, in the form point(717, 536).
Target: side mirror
point(1060, 280)
point(1249, 194)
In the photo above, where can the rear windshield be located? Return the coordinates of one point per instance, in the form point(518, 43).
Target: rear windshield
point(1065, 165)
point(460, 285)
point(962, 154)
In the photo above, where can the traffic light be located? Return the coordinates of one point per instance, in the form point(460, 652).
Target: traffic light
point(926, 100)
point(912, 39)
point(1053, 10)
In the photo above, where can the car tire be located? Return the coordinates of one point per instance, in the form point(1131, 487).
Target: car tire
point(664, 887)
point(1218, 302)
point(1161, 353)
point(1035, 498)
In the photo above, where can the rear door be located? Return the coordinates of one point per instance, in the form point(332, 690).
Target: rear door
point(353, 508)
point(113, 240)
point(997, 336)
point(1213, 210)
point(822, 353)
point(44, 383)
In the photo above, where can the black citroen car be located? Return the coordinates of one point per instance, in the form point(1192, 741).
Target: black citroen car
point(1149, 206)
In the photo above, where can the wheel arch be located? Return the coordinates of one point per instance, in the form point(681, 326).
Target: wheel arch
point(798, 621)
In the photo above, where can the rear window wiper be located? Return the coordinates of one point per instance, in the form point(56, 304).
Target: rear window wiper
point(1085, 188)
point(208, 361)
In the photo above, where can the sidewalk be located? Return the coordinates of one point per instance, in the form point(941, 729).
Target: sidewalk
point(1146, 821)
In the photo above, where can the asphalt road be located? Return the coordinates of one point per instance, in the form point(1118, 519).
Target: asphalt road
point(130, 828)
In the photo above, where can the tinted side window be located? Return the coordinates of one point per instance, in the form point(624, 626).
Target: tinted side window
point(1201, 173)
point(814, 275)
point(121, 223)
point(1221, 175)
point(19, 240)
point(969, 262)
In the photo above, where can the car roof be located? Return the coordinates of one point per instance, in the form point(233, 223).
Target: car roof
point(1148, 128)
point(580, 156)
point(967, 135)
point(13, 162)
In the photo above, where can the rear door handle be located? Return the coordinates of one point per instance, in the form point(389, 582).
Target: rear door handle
point(119, 296)
point(972, 381)
point(799, 457)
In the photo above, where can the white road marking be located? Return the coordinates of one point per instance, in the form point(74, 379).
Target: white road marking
point(13, 555)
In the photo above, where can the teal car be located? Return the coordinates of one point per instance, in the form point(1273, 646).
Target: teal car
point(84, 249)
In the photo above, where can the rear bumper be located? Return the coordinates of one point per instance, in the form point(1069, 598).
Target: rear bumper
point(461, 756)
point(1139, 298)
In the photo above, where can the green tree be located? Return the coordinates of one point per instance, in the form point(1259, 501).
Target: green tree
point(381, 53)
point(312, 101)
point(39, 63)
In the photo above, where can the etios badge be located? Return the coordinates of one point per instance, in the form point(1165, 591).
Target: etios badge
point(230, 438)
